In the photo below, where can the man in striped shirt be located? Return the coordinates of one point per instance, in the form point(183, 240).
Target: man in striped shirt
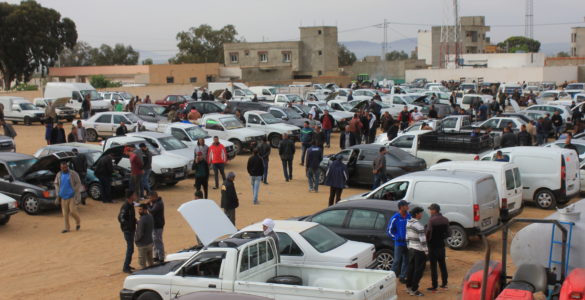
point(417, 251)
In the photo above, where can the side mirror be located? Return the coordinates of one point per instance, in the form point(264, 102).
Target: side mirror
point(262, 123)
point(7, 178)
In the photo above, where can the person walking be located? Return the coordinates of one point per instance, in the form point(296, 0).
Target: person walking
point(417, 251)
point(201, 169)
point(81, 133)
point(379, 169)
point(127, 220)
point(346, 138)
point(327, 122)
point(306, 137)
point(386, 120)
point(314, 158)
point(397, 231)
point(58, 135)
point(404, 118)
point(319, 137)
point(256, 170)
point(286, 151)
point(68, 189)
point(86, 107)
point(217, 157)
point(143, 237)
point(136, 170)
point(336, 178)
point(264, 153)
point(122, 130)
point(229, 197)
point(436, 232)
point(147, 169)
point(524, 138)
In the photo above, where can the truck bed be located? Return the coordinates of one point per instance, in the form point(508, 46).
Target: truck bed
point(455, 142)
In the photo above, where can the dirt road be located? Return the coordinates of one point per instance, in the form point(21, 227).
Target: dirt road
point(38, 262)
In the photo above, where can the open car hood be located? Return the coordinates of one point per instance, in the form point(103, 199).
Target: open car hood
point(207, 220)
point(117, 153)
point(59, 102)
point(49, 163)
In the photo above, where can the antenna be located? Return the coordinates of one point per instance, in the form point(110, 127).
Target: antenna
point(450, 46)
point(529, 19)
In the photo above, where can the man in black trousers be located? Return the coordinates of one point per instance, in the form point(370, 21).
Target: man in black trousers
point(436, 232)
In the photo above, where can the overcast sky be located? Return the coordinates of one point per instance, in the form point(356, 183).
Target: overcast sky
point(153, 25)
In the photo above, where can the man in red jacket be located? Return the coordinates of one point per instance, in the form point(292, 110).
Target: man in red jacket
point(136, 169)
point(217, 157)
point(327, 122)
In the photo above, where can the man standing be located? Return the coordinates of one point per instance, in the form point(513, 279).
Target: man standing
point(319, 137)
point(144, 231)
point(327, 122)
point(68, 189)
point(541, 134)
point(355, 127)
point(268, 230)
point(256, 170)
point(201, 169)
point(86, 107)
point(103, 171)
point(404, 118)
point(547, 126)
point(147, 167)
point(379, 170)
point(336, 178)
point(264, 154)
point(306, 139)
point(509, 139)
point(372, 127)
point(135, 169)
point(156, 208)
point(524, 138)
point(436, 233)
point(217, 157)
point(58, 135)
point(201, 147)
point(80, 132)
point(314, 157)
point(229, 197)
point(127, 219)
point(568, 144)
point(386, 120)
point(397, 231)
point(347, 138)
point(417, 251)
point(286, 150)
point(79, 164)
point(121, 130)
point(557, 123)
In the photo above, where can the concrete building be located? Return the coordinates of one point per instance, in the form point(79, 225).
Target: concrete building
point(313, 56)
point(379, 69)
point(474, 39)
point(501, 60)
point(578, 42)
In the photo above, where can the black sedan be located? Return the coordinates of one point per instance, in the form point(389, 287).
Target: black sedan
point(359, 160)
point(362, 221)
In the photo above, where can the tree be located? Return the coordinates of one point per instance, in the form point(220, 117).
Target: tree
point(344, 56)
point(520, 43)
point(203, 44)
point(396, 55)
point(105, 55)
point(100, 82)
point(79, 55)
point(563, 54)
point(32, 38)
point(147, 61)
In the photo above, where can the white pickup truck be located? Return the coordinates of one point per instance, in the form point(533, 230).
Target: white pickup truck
point(271, 126)
point(251, 266)
point(284, 99)
point(228, 127)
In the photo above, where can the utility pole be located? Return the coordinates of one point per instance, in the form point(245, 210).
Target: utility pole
point(529, 19)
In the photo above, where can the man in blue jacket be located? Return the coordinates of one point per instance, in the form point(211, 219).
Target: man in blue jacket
point(397, 231)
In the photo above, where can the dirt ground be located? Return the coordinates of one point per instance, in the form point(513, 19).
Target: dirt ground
point(38, 262)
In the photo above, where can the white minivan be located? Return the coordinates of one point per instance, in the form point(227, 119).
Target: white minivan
point(549, 175)
point(508, 180)
point(77, 91)
point(18, 109)
point(469, 200)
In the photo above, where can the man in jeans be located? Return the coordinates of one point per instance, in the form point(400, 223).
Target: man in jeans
point(306, 139)
point(256, 170)
point(417, 251)
point(379, 169)
point(436, 232)
point(397, 231)
point(127, 219)
point(286, 150)
point(264, 154)
point(217, 157)
point(327, 122)
point(314, 158)
point(68, 189)
point(156, 208)
point(147, 167)
point(135, 169)
point(143, 237)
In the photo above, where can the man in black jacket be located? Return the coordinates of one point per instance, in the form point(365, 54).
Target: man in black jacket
point(509, 139)
point(286, 150)
point(557, 122)
point(229, 197)
point(524, 138)
point(156, 208)
point(319, 137)
point(436, 232)
point(255, 170)
point(121, 130)
point(127, 219)
point(58, 135)
point(264, 152)
point(103, 171)
point(347, 138)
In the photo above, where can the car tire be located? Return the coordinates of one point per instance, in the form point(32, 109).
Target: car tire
point(322, 176)
point(30, 204)
point(545, 199)
point(384, 259)
point(95, 191)
point(148, 295)
point(286, 279)
point(237, 146)
point(27, 121)
point(91, 135)
point(4, 220)
point(458, 238)
point(275, 140)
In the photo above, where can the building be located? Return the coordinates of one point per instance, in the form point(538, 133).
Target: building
point(378, 69)
point(314, 55)
point(578, 41)
point(474, 39)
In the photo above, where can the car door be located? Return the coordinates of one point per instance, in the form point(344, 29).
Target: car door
point(364, 167)
point(333, 219)
point(7, 185)
point(404, 142)
point(103, 125)
point(290, 252)
point(254, 121)
point(203, 273)
point(214, 128)
point(366, 225)
point(392, 191)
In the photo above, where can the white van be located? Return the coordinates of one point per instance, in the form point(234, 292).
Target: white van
point(239, 90)
point(468, 199)
point(549, 175)
point(508, 180)
point(77, 91)
point(18, 109)
point(264, 93)
point(470, 99)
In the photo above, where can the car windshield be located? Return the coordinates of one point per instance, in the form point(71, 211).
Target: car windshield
point(292, 114)
point(346, 106)
point(126, 96)
point(196, 133)
point(549, 94)
point(132, 117)
point(93, 94)
point(171, 143)
point(575, 86)
point(27, 106)
point(322, 239)
point(293, 98)
point(270, 119)
point(231, 123)
point(247, 92)
point(408, 99)
point(18, 167)
point(304, 108)
point(159, 110)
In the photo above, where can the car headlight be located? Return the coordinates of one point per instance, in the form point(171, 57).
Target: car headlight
point(12, 205)
point(248, 139)
point(165, 170)
point(290, 132)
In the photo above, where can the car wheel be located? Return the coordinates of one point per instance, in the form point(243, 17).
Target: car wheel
point(384, 259)
point(4, 220)
point(152, 182)
point(275, 140)
point(237, 146)
point(95, 191)
point(458, 238)
point(148, 295)
point(27, 120)
point(30, 204)
point(322, 176)
point(91, 135)
point(545, 199)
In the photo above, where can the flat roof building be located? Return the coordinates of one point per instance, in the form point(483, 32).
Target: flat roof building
point(578, 42)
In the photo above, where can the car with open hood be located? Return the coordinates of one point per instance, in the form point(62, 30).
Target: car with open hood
point(167, 144)
point(63, 112)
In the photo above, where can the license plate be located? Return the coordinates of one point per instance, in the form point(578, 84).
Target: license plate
point(511, 205)
point(117, 183)
point(486, 222)
point(180, 174)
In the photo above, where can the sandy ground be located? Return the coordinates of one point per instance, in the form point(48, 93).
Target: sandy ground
point(38, 262)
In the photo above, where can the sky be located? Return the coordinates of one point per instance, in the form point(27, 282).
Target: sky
point(152, 26)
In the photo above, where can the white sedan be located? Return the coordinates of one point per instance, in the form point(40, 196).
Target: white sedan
point(104, 124)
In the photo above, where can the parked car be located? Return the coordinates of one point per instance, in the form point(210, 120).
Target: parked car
point(245, 106)
point(288, 115)
point(190, 133)
point(469, 200)
point(17, 109)
point(167, 144)
point(565, 111)
point(341, 118)
point(264, 93)
point(469, 100)
point(578, 143)
point(205, 107)
point(284, 99)
point(399, 101)
point(104, 125)
point(63, 112)
point(549, 96)
point(272, 127)
point(7, 144)
point(123, 97)
point(152, 112)
point(8, 207)
point(359, 160)
point(341, 105)
point(228, 127)
point(171, 99)
point(575, 88)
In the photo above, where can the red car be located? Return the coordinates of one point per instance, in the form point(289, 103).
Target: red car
point(171, 99)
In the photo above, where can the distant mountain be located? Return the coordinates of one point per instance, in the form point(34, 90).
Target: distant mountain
point(551, 49)
point(365, 48)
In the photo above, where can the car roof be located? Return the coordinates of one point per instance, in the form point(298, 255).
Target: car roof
point(152, 134)
point(296, 226)
point(126, 139)
point(573, 141)
point(479, 164)
point(10, 156)
point(181, 125)
point(545, 150)
point(458, 176)
point(81, 148)
point(256, 112)
point(375, 147)
point(367, 203)
point(217, 115)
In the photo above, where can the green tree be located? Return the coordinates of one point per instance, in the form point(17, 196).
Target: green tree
point(344, 56)
point(32, 36)
point(100, 82)
point(520, 43)
point(105, 55)
point(203, 44)
point(563, 54)
point(79, 55)
point(147, 61)
point(396, 55)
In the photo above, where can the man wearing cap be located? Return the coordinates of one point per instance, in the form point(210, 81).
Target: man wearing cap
point(437, 231)
point(268, 229)
point(417, 251)
point(229, 197)
point(397, 231)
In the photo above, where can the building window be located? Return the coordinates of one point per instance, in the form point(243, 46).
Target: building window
point(263, 56)
point(319, 32)
point(247, 52)
point(573, 51)
point(234, 57)
point(286, 57)
point(193, 79)
point(320, 73)
point(320, 52)
point(170, 79)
